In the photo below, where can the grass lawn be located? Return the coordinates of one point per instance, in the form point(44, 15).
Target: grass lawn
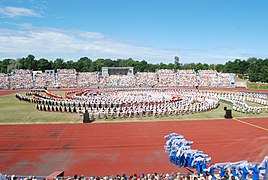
point(253, 85)
point(237, 79)
point(14, 111)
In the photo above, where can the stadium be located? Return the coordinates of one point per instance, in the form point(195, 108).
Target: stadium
point(117, 124)
point(133, 90)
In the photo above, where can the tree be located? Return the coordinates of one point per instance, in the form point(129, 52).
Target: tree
point(176, 63)
point(205, 66)
point(129, 62)
point(43, 64)
point(219, 67)
point(23, 63)
point(263, 74)
point(253, 72)
point(13, 64)
point(109, 63)
point(59, 64)
point(99, 63)
point(70, 64)
point(199, 66)
point(142, 66)
point(229, 67)
point(1, 65)
point(188, 66)
point(4, 65)
point(84, 64)
point(31, 62)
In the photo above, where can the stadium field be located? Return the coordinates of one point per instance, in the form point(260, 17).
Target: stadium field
point(38, 143)
point(14, 111)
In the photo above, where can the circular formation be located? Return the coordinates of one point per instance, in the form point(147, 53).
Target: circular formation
point(124, 102)
point(142, 102)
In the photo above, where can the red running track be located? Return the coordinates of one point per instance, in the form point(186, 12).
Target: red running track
point(117, 148)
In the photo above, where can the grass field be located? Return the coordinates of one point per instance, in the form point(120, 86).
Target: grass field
point(253, 85)
point(14, 111)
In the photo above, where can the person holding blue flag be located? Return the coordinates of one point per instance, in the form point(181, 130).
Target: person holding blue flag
point(255, 172)
point(245, 173)
point(222, 172)
point(204, 166)
point(181, 154)
point(211, 170)
point(190, 160)
point(235, 172)
point(264, 167)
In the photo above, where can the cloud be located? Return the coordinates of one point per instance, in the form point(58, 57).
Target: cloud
point(26, 26)
point(49, 42)
point(12, 12)
point(55, 43)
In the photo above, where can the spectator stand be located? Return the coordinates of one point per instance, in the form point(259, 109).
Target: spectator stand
point(21, 79)
point(4, 82)
point(67, 78)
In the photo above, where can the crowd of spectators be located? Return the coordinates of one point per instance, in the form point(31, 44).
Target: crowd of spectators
point(208, 78)
point(228, 174)
point(149, 176)
point(211, 78)
point(120, 80)
point(42, 79)
point(187, 78)
point(224, 80)
point(166, 77)
point(69, 78)
point(87, 79)
point(21, 79)
point(146, 79)
point(4, 81)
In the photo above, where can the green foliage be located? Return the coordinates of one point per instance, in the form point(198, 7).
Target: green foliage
point(219, 67)
point(59, 64)
point(14, 111)
point(254, 85)
point(44, 64)
point(82, 65)
point(176, 62)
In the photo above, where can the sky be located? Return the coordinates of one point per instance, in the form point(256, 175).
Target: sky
point(206, 31)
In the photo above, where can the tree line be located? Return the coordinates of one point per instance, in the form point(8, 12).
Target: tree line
point(254, 69)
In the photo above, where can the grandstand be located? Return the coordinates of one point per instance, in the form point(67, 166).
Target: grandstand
point(4, 81)
point(115, 77)
point(44, 79)
point(67, 78)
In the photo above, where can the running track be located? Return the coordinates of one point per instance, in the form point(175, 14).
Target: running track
point(117, 148)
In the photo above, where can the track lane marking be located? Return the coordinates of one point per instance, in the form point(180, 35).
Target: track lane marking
point(250, 124)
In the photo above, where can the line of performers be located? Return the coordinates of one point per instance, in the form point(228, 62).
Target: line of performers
point(181, 154)
point(239, 101)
